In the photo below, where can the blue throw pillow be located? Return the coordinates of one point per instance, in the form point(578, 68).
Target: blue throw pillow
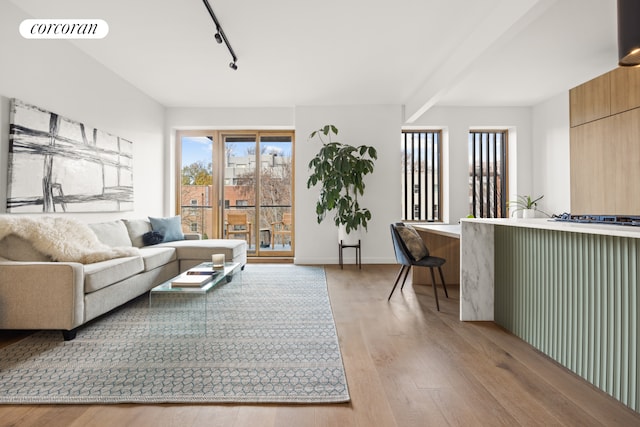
point(170, 228)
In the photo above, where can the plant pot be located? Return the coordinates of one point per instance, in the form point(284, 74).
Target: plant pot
point(528, 213)
point(351, 238)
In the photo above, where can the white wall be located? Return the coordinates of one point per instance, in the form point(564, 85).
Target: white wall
point(57, 76)
point(551, 154)
point(378, 126)
point(457, 121)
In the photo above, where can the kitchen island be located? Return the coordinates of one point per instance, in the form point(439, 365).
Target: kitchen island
point(568, 289)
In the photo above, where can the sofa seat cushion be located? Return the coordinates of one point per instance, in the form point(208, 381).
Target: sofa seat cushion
point(155, 257)
point(102, 274)
point(203, 249)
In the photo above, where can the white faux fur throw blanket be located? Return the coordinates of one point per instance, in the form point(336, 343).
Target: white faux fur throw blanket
point(63, 239)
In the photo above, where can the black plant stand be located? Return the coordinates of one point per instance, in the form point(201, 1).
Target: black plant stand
point(358, 249)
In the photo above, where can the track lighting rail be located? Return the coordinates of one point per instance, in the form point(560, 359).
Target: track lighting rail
point(221, 36)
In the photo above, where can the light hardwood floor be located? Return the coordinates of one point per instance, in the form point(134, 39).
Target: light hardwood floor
point(407, 365)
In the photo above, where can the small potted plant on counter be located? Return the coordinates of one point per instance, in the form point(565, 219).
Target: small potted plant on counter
point(526, 204)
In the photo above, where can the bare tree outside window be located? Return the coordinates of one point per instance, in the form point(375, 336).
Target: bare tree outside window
point(275, 179)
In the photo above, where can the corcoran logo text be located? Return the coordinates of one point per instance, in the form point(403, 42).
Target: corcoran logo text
point(64, 28)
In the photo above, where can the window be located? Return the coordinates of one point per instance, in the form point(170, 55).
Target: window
point(488, 173)
point(194, 202)
point(421, 178)
point(194, 227)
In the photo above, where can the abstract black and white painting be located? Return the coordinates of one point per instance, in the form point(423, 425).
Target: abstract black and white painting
point(60, 165)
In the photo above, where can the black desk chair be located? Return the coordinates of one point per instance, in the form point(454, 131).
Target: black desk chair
point(411, 251)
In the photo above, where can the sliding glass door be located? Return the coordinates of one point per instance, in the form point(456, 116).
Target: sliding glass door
point(240, 188)
point(258, 190)
point(276, 193)
point(238, 185)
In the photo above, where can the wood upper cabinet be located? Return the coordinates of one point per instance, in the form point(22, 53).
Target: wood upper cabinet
point(625, 89)
point(589, 173)
point(623, 159)
point(591, 100)
point(605, 166)
point(605, 144)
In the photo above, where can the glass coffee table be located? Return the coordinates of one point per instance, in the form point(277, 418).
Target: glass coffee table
point(183, 310)
point(226, 273)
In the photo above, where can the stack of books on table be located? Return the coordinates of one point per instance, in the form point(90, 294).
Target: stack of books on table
point(194, 278)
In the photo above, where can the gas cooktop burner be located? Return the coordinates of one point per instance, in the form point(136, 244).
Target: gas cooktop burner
point(600, 219)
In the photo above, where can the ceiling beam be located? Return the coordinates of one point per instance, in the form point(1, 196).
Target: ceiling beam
point(506, 20)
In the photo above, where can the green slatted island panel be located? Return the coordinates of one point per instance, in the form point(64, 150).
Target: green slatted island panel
point(573, 296)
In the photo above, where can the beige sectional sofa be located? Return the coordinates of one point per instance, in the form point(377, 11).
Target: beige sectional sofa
point(38, 293)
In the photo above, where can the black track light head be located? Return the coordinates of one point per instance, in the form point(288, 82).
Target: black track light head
point(233, 66)
point(218, 37)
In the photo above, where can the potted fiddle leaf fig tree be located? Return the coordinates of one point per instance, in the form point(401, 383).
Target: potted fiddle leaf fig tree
point(339, 169)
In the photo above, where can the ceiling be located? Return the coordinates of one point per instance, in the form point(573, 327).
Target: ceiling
point(418, 53)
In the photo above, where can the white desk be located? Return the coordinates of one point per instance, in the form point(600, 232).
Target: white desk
point(448, 230)
point(443, 240)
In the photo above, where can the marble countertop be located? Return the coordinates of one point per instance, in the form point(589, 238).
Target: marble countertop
point(550, 224)
point(448, 230)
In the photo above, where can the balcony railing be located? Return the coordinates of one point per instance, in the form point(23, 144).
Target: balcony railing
point(199, 219)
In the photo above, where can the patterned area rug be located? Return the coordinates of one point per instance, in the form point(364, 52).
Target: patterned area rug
point(267, 336)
